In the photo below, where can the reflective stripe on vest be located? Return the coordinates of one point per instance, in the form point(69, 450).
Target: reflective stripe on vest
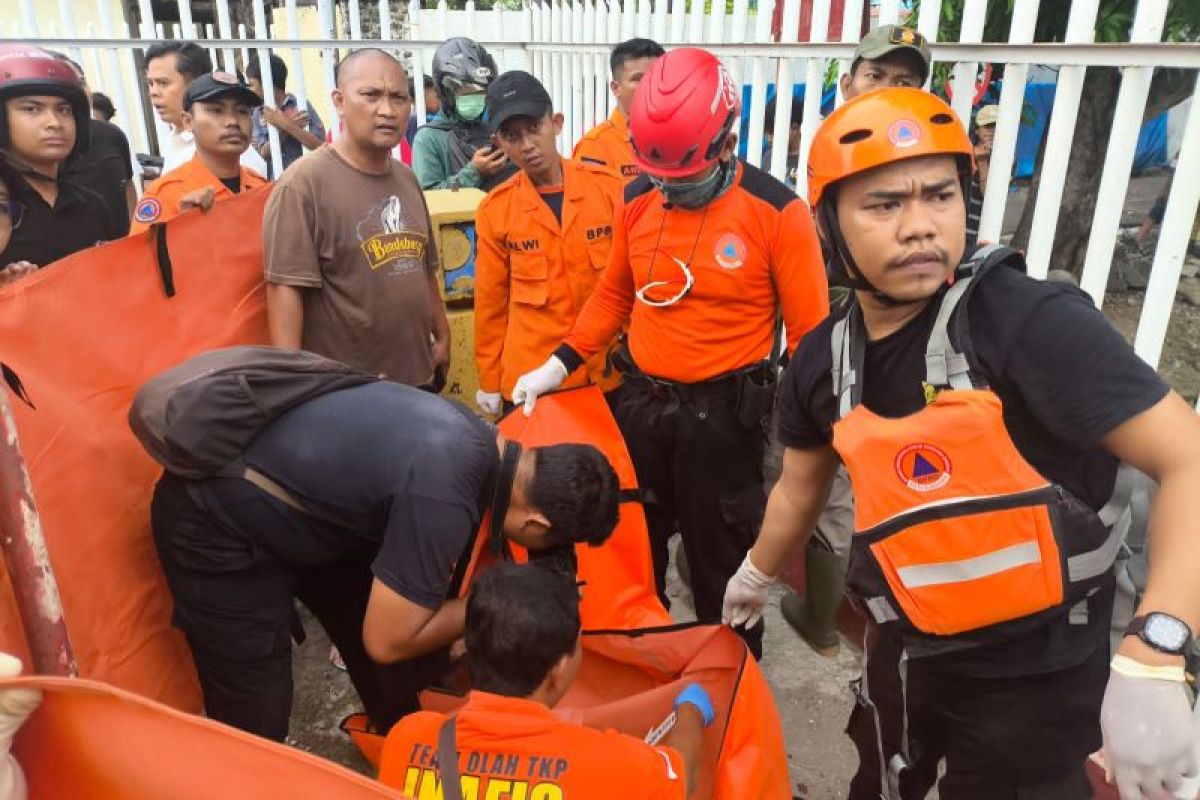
point(955, 530)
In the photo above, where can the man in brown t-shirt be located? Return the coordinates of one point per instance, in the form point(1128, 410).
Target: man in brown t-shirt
point(351, 268)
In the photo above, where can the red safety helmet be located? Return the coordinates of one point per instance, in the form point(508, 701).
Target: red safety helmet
point(682, 113)
point(26, 70)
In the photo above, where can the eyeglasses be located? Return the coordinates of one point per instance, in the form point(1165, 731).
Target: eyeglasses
point(689, 280)
point(13, 210)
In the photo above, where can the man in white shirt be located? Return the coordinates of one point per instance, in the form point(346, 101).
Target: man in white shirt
point(170, 67)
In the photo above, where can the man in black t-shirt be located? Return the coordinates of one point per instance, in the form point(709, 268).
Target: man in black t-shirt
point(106, 167)
point(964, 663)
point(359, 503)
point(44, 121)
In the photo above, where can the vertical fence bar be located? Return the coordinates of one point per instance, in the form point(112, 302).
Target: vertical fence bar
point(889, 11)
point(1059, 137)
point(325, 22)
point(185, 19)
point(758, 84)
point(131, 114)
point(716, 22)
point(661, 21)
point(851, 27)
point(928, 18)
point(225, 28)
point(737, 34)
point(784, 91)
point(27, 559)
point(213, 55)
point(299, 83)
point(814, 86)
point(679, 19)
point(591, 77)
point(29, 24)
point(695, 21)
point(1122, 147)
point(268, 84)
point(355, 20)
point(1182, 205)
point(974, 16)
point(1004, 143)
point(643, 18)
point(243, 50)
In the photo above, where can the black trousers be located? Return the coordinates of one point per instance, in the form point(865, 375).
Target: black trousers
point(1012, 738)
point(222, 545)
point(703, 471)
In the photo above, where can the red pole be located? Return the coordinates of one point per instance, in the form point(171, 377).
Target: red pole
point(28, 560)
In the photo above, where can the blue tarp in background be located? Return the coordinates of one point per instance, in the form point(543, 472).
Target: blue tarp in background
point(1039, 99)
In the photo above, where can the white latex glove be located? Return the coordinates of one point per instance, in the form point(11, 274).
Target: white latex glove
point(489, 402)
point(15, 706)
point(745, 596)
point(531, 385)
point(1150, 736)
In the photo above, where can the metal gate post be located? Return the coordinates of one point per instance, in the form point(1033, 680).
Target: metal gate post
point(27, 558)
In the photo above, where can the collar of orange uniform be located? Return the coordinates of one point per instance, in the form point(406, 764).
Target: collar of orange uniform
point(571, 188)
point(489, 703)
point(620, 123)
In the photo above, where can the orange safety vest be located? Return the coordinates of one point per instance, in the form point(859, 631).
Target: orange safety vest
point(956, 534)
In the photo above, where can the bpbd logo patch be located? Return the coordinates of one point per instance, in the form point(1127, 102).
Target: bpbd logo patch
point(923, 467)
point(147, 210)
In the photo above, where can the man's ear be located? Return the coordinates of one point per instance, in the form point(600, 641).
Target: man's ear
point(185, 119)
point(844, 83)
point(339, 101)
point(558, 120)
point(729, 147)
point(614, 87)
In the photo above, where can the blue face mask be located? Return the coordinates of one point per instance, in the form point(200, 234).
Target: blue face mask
point(469, 106)
point(695, 194)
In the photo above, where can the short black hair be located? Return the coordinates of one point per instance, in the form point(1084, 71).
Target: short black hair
point(102, 103)
point(521, 620)
point(354, 55)
point(577, 490)
point(191, 60)
point(279, 71)
point(630, 49)
point(769, 115)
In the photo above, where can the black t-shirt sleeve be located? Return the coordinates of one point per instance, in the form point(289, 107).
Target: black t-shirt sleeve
point(806, 406)
point(422, 541)
point(1052, 347)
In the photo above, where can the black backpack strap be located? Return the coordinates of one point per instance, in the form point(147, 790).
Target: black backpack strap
point(447, 760)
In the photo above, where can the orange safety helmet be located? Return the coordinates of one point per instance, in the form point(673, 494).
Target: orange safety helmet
point(882, 127)
point(877, 128)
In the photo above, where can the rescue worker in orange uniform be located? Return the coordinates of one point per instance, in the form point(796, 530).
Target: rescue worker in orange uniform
point(982, 417)
point(524, 651)
point(708, 255)
point(542, 238)
point(217, 110)
point(607, 144)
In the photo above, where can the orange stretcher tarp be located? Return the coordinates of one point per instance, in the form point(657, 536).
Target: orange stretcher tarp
point(89, 741)
point(629, 680)
point(83, 335)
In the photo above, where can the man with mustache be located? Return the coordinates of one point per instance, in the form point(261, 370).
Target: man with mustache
point(217, 108)
point(984, 462)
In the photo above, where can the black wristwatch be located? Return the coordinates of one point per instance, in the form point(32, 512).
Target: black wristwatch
point(1163, 632)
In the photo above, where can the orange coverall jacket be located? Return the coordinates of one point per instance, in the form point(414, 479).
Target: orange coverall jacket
point(607, 145)
point(161, 200)
point(515, 748)
point(533, 275)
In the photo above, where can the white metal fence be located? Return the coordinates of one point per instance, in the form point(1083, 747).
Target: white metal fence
point(566, 44)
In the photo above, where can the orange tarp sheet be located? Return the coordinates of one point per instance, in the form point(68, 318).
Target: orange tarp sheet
point(89, 741)
point(83, 335)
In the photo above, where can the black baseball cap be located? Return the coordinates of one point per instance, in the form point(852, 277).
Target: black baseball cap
point(516, 94)
point(219, 85)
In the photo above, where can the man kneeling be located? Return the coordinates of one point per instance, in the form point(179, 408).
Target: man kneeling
point(524, 651)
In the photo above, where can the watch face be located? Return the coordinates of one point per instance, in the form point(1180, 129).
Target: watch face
point(1166, 632)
